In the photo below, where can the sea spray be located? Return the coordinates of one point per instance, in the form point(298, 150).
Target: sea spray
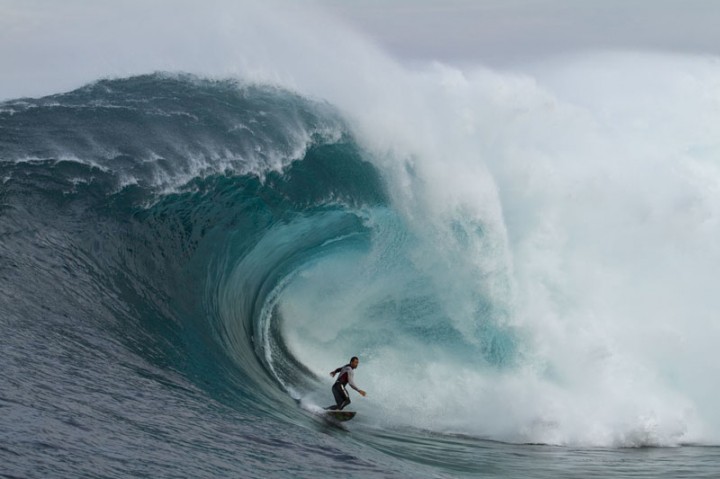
point(572, 234)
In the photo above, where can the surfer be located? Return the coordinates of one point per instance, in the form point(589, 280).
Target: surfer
point(346, 376)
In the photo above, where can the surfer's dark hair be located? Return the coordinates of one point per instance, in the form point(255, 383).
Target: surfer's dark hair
point(354, 358)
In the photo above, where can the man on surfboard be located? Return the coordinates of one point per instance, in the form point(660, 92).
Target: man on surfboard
point(347, 373)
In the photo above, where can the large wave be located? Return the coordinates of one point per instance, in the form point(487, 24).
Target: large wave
point(522, 257)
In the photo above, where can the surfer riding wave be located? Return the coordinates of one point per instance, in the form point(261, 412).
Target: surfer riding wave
point(346, 376)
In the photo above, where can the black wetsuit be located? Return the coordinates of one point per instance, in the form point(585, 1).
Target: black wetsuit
point(342, 398)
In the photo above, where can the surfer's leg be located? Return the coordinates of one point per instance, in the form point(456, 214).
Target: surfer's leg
point(340, 395)
point(345, 399)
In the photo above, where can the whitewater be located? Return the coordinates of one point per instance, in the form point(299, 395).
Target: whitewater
point(205, 209)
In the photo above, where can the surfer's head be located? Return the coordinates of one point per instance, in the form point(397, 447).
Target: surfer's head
point(354, 362)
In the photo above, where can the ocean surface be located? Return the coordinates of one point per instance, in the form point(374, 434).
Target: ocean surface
point(183, 261)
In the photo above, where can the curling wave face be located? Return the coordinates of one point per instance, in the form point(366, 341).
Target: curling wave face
point(191, 200)
point(203, 211)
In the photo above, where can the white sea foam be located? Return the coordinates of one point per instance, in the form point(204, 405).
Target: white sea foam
point(597, 196)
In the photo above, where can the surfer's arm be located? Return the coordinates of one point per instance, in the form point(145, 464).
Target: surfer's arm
point(360, 391)
point(351, 382)
point(333, 373)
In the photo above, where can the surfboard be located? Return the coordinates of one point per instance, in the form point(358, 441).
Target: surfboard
point(340, 415)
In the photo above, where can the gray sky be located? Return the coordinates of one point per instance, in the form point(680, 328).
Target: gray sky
point(48, 46)
point(511, 31)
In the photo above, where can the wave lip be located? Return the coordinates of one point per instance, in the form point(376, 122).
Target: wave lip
point(164, 130)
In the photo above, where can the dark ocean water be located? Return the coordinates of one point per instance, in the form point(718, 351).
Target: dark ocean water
point(157, 234)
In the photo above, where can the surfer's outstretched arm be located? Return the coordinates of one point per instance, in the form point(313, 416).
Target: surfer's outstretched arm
point(351, 382)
